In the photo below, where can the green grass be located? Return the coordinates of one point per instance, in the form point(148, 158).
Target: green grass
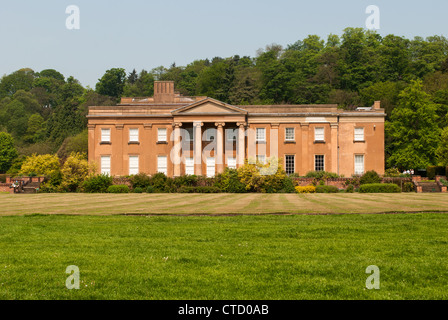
point(224, 257)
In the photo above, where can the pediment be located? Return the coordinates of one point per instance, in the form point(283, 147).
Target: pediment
point(209, 106)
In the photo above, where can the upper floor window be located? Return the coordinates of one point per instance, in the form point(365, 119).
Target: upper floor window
point(319, 134)
point(261, 134)
point(161, 135)
point(289, 134)
point(105, 135)
point(232, 134)
point(189, 132)
point(210, 134)
point(133, 135)
point(359, 134)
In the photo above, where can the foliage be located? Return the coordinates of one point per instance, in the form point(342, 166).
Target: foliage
point(44, 165)
point(350, 189)
point(138, 190)
point(442, 150)
point(74, 171)
point(141, 180)
point(327, 189)
point(379, 188)
point(8, 152)
point(392, 172)
point(160, 183)
point(322, 175)
point(370, 177)
point(97, 183)
point(228, 181)
point(77, 144)
point(408, 187)
point(433, 171)
point(112, 83)
point(306, 189)
point(186, 180)
point(444, 182)
point(266, 178)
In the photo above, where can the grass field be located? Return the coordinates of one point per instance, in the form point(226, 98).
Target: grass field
point(106, 204)
point(222, 257)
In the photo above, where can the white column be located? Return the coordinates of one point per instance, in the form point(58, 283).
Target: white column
point(176, 150)
point(220, 147)
point(198, 148)
point(241, 144)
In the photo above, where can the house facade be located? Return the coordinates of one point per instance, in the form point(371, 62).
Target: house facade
point(180, 135)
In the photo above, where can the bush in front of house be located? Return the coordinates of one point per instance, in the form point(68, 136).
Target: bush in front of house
point(186, 180)
point(321, 175)
point(327, 189)
point(138, 190)
point(120, 188)
point(370, 177)
point(408, 187)
point(228, 181)
point(379, 188)
point(287, 185)
point(199, 189)
point(350, 189)
point(306, 189)
point(433, 171)
point(97, 183)
point(160, 183)
point(141, 180)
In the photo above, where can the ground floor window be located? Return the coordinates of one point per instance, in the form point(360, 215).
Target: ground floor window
point(359, 164)
point(231, 162)
point(162, 164)
point(290, 164)
point(210, 167)
point(189, 166)
point(105, 165)
point(319, 162)
point(133, 165)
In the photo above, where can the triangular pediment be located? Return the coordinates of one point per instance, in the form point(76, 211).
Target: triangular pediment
point(209, 106)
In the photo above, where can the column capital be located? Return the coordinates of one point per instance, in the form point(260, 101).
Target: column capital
point(177, 124)
point(147, 126)
point(119, 126)
point(305, 125)
point(334, 125)
point(91, 126)
point(275, 125)
point(198, 124)
point(241, 124)
point(220, 124)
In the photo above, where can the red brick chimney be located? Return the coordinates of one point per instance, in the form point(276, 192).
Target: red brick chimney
point(163, 91)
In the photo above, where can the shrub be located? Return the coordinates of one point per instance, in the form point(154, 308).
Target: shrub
point(262, 177)
point(199, 189)
point(288, 185)
point(74, 171)
point(228, 181)
point(138, 190)
point(327, 189)
point(350, 189)
point(121, 188)
point(97, 183)
point(433, 171)
point(307, 189)
point(408, 187)
point(161, 183)
point(379, 188)
point(186, 180)
point(45, 165)
point(370, 177)
point(150, 189)
point(444, 182)
point(141, 180)
point(322, 175)
point(392, 172)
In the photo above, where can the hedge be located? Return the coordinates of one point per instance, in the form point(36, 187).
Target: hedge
point(307, 189)
point(433, 171)
point(327, 189)
point(120, 188)
point(379, 188)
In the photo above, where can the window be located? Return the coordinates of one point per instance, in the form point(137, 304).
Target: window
point(210, 134)
point(289, 164)
point(231, 162)
point(105, 165)
point(261, 135)
point(319, 163)
point(189, 134)
point(105, 135)
point(359, 134)
point(162, 165)
point(232, 134)
point(161, 135)
point(210, 167)
point(133, 135)
point(261, 159)
point(319, 134)
point(189, 166)
point(359, 164)
point(289, 134)
point(133, 165)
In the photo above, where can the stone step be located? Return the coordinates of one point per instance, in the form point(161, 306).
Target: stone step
point(429, 187)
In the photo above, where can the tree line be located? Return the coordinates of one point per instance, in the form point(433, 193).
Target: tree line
point(44, 112)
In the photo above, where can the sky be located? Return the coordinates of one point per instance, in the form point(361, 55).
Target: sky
point(145, 34)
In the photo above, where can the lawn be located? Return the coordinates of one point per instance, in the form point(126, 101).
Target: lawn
point(216, 204)
point(224, 257)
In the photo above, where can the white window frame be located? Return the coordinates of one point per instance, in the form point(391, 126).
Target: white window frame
point(105, 169)
point(231, 135)
point(189, 134)
point(231, 162)
point(160, 168)
point(133, 135)
point(162, 134)
point(211, 163)
point(105, 134)
point(293, 138)
point(189, 166)
point(359, 172)
point(209, 133)
point(323, 161)
point(293, 164)
point(134, 169)
point(261, 158)
point(359, 136)
point(319, 136)
point(260, 137)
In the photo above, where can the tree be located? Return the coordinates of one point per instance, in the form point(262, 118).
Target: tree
point(112, 83)
point(46, 165)
point(74, 171)
point(412, 130)
point(442, 150)
point(8, 152)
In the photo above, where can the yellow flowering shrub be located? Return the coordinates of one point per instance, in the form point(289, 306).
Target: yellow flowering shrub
point(307, 189)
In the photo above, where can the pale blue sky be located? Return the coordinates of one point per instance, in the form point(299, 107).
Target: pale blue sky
point(144, 34)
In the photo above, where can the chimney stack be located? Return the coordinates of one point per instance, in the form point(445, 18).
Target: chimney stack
point(377, 105)
point(163, 91)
